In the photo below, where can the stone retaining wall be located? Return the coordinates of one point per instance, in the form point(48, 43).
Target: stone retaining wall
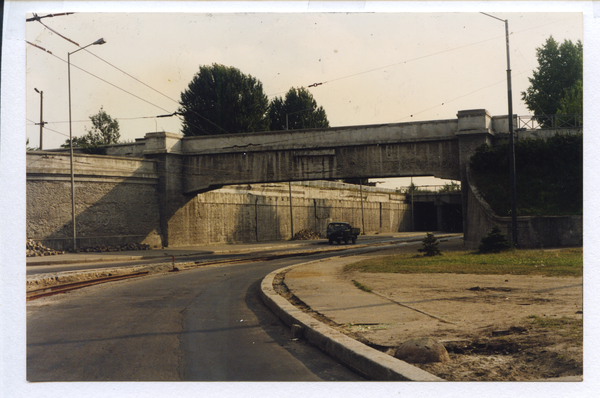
point(117, 202)
point(261, 212)
point(533, 231)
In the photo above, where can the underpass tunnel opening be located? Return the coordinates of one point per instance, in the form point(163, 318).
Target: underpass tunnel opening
point(430, 216)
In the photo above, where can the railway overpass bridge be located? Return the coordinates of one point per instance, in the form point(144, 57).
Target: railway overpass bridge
point(191, 165)
point(437, 148)
point(173, 169)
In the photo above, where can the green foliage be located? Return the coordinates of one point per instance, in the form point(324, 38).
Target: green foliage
point(223, 100)
point(413, 189)
point(572, 102)
point(105, 131)
point(430, 246)
point(301, 110)
point(494, 242)
point(564, 262)
point(569, 328)
point(362, 287)
point(560, 68)
point(453, 187)
point(549, 176)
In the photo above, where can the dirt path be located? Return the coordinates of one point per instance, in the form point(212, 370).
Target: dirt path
point(495, 327)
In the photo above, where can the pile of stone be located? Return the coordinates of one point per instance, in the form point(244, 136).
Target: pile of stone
point(307, 234)
point(115, 248)
point(36, 249)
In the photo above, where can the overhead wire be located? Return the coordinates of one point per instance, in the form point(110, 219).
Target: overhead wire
point(131, 76)
point(312, 85)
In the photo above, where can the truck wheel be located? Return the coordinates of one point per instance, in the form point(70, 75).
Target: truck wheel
point(339, 242)
point(353, 239)
point(345, 241)
point(331, 241)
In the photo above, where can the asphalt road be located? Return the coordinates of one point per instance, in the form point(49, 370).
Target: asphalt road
point(202, 324)
point(33, 269)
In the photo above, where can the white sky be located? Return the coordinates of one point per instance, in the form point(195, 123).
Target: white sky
point(465, 68)
point(376, 67)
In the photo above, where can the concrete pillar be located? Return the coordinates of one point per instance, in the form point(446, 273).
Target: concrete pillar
point(475, 128)
point(439, 213)
point(166, 149)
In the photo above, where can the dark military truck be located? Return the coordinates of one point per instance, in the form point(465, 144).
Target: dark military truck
point(341, 231)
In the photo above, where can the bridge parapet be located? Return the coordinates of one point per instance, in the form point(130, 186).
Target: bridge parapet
point(321, 138)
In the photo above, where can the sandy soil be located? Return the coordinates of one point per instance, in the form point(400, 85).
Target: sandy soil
point(493, 326)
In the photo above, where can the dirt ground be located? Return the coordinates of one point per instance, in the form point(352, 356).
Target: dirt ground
point(494, 327)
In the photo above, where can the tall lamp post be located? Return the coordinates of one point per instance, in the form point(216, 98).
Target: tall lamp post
point(97, 42)
point(41, 123)
point(511, 142)
point(289, 182)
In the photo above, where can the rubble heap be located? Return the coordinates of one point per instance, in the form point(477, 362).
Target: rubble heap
point(307, 234)
point(36, 249)
point(115, 248)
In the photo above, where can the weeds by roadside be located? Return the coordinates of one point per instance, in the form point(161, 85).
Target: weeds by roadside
point(563, 262)
point(362, 287)
point(566, 327)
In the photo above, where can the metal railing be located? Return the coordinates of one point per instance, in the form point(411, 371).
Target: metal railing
point(428, 189)
point(418, 189)
point(550, 121)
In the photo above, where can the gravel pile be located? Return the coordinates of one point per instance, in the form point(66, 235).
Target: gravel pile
point(36, 249)
point(307, 234)
point(115, 248)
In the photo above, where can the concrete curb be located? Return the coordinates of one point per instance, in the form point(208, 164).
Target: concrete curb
point(365, 360)
point(42, 281)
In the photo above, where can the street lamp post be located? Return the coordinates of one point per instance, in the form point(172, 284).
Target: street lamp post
point(97, 42)
point(511, 142)
point(41, 123)
point(289, 182)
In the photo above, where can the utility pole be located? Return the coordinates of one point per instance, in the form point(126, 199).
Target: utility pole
point(41, 123)
point(412, 203)
point(362, 210)
point(97, 42)
point(291, 210)
point(511, 142)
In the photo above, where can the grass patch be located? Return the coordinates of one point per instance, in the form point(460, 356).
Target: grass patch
point(563, 262)
point(567, 327)
point(362, 287)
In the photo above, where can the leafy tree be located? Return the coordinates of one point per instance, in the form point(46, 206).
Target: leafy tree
point(223, 100)
point(572, 102)
point(560, 69)
point(105, 131)
point(301, 110)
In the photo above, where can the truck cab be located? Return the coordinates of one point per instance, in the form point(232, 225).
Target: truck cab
point(341, 231)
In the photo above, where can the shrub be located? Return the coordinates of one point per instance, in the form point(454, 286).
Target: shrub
point(494, 242)
point(430, 244)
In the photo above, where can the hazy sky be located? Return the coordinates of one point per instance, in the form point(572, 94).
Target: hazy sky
point(403, 62)
point(375, 67)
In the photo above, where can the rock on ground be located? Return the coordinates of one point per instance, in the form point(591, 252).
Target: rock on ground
point(422, 350)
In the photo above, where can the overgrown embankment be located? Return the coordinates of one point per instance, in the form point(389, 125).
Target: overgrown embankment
point(549, 174)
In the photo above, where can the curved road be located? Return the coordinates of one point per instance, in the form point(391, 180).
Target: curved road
point(202, 324)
